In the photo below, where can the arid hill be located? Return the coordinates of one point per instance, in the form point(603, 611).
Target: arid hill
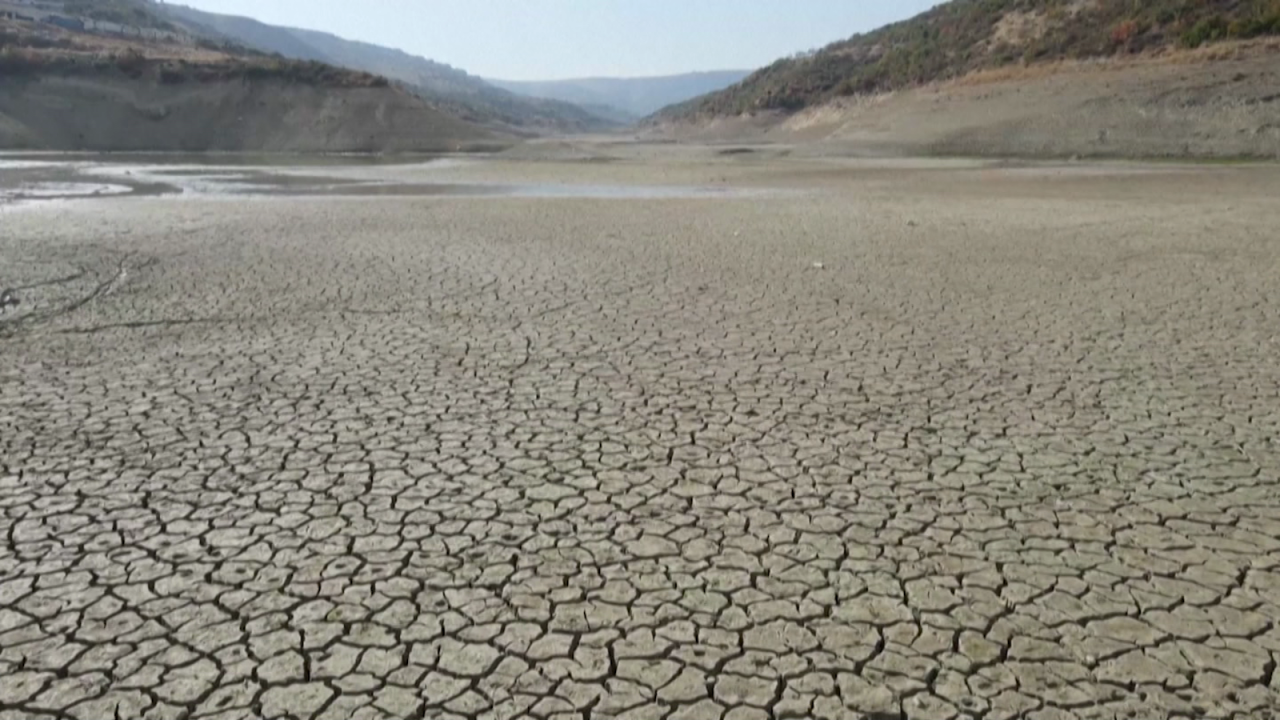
point(964, 36)
point(444, 87)
point(96, 87)
point(1061, 78)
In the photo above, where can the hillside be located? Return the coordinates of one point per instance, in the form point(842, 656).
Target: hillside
point(131, 13)
point(170, 91)
point(445, 87)
point(963, 36)
point(630, 98)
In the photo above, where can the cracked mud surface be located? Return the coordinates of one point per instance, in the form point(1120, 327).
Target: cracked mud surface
point(1010, 453)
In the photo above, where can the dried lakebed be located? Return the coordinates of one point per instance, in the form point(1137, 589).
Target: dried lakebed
point(908, 441)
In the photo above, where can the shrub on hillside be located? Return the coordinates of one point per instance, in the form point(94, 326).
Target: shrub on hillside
point(1207, 30)
point(131, 62)
point(19, 61)
point(1125, 32)
point(172, 75)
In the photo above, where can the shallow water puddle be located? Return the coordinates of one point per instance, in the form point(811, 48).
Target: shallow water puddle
point(65, 177)
point(61, 190)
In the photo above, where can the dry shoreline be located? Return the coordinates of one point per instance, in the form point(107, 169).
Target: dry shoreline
point(1192, 108)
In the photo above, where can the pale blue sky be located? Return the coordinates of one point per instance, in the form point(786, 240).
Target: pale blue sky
point(548, 39)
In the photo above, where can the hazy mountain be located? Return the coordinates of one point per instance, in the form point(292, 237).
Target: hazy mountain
point(634, 97)
point(446, 87)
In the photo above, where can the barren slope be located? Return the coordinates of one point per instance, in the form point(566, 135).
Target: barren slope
point(111, 111)
point(1226, 107)
point(1015, 77)
point(960, 37)
point(63, 90)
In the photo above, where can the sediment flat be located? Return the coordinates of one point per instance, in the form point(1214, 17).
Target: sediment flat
point(923, 439)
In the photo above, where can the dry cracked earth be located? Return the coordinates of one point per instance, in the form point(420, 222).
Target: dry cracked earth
point(926, 443)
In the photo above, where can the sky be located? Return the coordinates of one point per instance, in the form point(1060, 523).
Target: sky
point(555, 39)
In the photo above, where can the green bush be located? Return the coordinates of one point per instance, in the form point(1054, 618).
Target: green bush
point(172, 76)
point(11, 61)
point(1255, 27)
point(131, 62)
point(19, 61)
point(1207, 30)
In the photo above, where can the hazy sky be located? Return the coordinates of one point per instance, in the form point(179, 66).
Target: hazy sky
point(547, 39)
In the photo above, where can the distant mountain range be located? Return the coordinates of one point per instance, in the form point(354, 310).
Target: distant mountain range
point(445, 87)
point(626, 99)
point(520, 108)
